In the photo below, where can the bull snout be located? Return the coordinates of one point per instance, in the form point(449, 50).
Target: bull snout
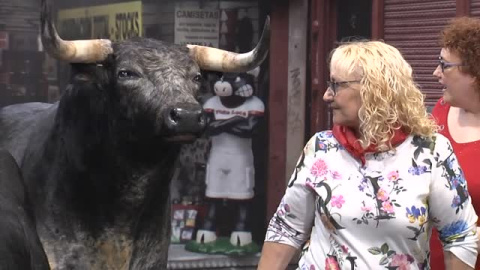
point(187, 118)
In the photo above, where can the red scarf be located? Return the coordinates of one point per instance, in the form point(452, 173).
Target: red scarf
point(346, 137)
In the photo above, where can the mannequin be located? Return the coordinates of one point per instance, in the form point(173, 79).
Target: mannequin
point(234, 112)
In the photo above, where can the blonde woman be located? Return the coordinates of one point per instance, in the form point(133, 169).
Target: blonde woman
point(368, 192)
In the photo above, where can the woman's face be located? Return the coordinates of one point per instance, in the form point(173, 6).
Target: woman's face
point(347, 101)
point(458, 86)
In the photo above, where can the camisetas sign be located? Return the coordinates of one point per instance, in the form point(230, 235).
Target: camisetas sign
point(116, 22)
point(195, 24)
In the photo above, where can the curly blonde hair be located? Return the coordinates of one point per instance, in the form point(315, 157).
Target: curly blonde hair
point(390, 98)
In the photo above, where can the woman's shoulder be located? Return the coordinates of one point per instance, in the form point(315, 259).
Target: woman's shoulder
point(321, 135)
point(440, 110)
point(325, 134)
point(435, 143)
point(323, 141)
point(439, 145)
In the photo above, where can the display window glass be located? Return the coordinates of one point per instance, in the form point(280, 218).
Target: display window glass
point(218, 182)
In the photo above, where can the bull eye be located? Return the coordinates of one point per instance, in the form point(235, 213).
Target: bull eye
point(127, 74)
point(198, 78)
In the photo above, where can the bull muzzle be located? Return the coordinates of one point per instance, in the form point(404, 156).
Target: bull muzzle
point(184, 121)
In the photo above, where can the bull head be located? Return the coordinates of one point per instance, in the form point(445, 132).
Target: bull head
point(91, 51)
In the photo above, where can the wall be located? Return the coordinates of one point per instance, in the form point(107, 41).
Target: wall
point(413, 27)
point(21, 19)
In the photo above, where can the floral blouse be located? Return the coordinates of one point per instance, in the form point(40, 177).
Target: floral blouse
point(377, 216)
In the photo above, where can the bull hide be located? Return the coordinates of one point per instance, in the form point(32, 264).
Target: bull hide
point(20, 247)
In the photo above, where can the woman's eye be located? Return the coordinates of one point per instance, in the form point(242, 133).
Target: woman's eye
point(127, 74)
point(198, 78)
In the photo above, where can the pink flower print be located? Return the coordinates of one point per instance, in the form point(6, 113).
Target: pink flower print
point(393, 176)
point(284, 211)
point(401, 261)
point(337, 201)
point(366, 209)
point(331, 264)
point(344, 249)
point(319, 168)
point(382, 195)
point(307, 267)
point(322, 146)
point(388, 207)
point(336, 175)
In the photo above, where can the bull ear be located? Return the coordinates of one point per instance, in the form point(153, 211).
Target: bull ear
point(220, 60)
point(77, 51)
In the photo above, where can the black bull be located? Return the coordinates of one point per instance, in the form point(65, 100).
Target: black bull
point(97, 164)
point(20, 247)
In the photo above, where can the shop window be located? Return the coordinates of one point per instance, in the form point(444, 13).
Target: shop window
point(354, 19)
point(230, 25)
point(234, 26)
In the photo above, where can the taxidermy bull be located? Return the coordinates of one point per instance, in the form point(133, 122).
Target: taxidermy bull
point(98, 163)
point(20, 248)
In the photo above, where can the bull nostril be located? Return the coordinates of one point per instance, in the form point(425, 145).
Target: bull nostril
point(174, 115)
point(201, 119)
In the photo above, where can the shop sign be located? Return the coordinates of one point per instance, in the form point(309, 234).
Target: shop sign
point(197, 24)
point(115, 22)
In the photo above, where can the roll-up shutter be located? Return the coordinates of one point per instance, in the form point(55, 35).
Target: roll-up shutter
point(475, 8)
point(413, 27)
point(19, 16)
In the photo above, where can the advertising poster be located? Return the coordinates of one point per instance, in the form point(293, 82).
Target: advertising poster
point(115, 22)
point(197, 24)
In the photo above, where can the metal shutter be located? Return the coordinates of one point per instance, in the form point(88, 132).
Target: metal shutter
point(413, 27)
point(475, 8)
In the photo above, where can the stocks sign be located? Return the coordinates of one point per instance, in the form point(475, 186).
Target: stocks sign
point(115, 22)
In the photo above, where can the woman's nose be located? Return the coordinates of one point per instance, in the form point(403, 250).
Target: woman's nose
point(437, 72)
point(328, 95)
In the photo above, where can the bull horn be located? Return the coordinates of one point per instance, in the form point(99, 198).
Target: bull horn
point(224, 61)
point(78, 51)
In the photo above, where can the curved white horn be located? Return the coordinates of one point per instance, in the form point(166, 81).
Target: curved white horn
point(77, 51)
point(209, 58)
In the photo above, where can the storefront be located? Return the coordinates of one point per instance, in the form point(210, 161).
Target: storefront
point(414, 29)
point(229, 25)
point(22, 77)
point(290, 83)
point(411, 26)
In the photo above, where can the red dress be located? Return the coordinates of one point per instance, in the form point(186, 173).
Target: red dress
point(468, 155)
